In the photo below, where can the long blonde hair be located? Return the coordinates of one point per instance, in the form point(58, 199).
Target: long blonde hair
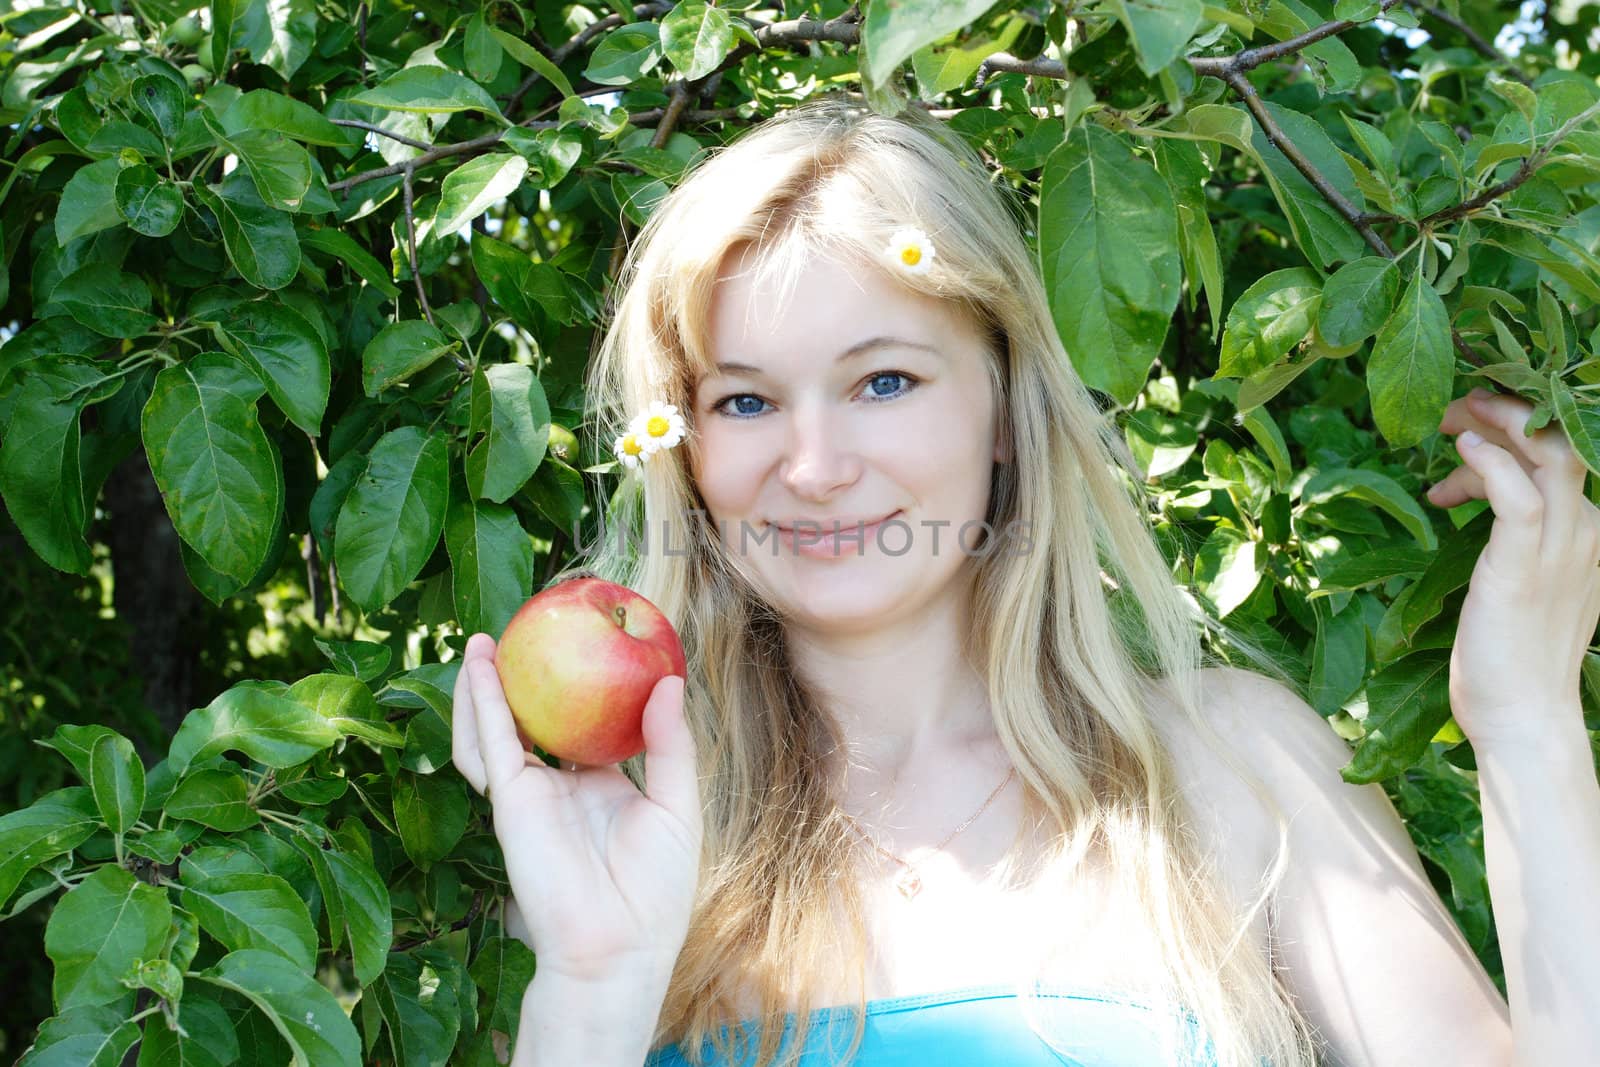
point(1068, 673)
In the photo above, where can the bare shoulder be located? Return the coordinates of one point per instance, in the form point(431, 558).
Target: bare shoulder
point(1259, 723)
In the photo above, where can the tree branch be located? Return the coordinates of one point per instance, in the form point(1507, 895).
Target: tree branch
point(357, 124)
point(641, 12)
point(411, 245)
point(1530, 163)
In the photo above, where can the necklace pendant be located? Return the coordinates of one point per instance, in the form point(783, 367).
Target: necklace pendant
point(909, 884)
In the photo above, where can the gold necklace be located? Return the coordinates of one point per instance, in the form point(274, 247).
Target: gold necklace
point(909, 882)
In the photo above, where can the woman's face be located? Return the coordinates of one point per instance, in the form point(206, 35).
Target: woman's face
point(856, 401)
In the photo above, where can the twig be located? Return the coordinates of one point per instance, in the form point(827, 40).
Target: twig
point(1251, 58)
point(460, 924)
point(370, 128)
point(1291, 151)
point(432, 155)
point(1475, 39)
point(1530, 163)
point(411, 245)
point(641, 12)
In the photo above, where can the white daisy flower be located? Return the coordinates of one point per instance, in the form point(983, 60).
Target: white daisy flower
point(630, 451)
point(910, 250)
point(658, 427)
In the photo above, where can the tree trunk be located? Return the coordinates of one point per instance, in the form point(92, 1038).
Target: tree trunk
point(152, 590)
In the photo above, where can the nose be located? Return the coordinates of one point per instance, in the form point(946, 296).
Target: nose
point(819, 460)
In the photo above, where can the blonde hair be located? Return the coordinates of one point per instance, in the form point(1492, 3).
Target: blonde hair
point(1076, 631)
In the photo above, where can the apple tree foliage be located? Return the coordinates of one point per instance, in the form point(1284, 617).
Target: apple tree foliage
point(333, 271)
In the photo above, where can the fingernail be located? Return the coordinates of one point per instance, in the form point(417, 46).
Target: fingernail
point(1469, 438)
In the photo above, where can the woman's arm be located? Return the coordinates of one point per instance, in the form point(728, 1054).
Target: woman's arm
point(1541, 838)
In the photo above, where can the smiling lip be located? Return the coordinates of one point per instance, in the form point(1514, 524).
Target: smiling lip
point(818, 544)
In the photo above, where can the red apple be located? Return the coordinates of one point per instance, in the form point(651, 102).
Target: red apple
point(578, 662)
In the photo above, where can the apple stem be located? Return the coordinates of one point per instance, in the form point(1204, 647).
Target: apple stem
point(621, 615)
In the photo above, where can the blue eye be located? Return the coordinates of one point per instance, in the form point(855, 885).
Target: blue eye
point(742, 410)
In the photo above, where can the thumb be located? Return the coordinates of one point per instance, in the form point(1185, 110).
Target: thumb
point(671, 776)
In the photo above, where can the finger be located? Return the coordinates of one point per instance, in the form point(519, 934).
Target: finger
point(1518, 505)
point(1507, 417)
point(671, 776)
point(1456, 488)
point(1555, 467)
point(498, 744)
point(464, 728)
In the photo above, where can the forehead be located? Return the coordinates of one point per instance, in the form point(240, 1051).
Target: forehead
point(769, 305)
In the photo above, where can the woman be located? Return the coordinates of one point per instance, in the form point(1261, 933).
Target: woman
point(962, 764)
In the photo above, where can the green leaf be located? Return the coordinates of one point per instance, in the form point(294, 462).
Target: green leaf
point(1449, 570)
point(1185, 171)
point(420, 1012)
point(1225, 569)
point(480, 49)
point(263, 109)
point(510, 412)
point(1321, 231)
point(626, 54)
point(162, 102)
point(88, 201)
point(208, 1039)
point(1371, 487)
point(1159, 28)
point(1407, 703)
point(82, 1037)
point(696, 38)
point(533, 59)
point(106, 924)
point(503, 968)
point(56, 823)
point(1108, 246)
point(398, 351)
point(1339, 658)
point(348, 706)
point(287, 354)
point(1268, 319)
point(106, 300)
point(147, 202)
point(1346, 573)
point(892, 32)
point(214, 797)
point(40, 467)
point(337, 243)
point(429, 90)
point(474, 187)
point(254, 911)
point(366, 660)
point(270, 728)
point(280, 169)
point(1357, 300)
point(278, 33)
point(431, 814)
point(491, 564)
point(504, 272)
point(1580, 421)
point(260, 241)
point(1412, 367)
point(218, 473)
point(368, 916)
point(116, 776)
point(392, 518)
point(317, 1029)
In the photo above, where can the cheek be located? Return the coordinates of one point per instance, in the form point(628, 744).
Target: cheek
point(728, 473)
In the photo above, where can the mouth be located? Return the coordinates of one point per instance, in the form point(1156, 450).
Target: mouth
point(819, 527)
point(812, 541)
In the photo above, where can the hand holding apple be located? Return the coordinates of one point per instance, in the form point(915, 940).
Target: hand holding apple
point(604, 875)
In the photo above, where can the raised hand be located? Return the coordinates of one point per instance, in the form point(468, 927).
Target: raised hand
point(1534, 596)
point(604, 876)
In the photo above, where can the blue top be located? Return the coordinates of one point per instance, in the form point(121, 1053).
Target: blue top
point(990, 1024)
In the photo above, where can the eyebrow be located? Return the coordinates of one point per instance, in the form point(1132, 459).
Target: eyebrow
point(859, 348)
